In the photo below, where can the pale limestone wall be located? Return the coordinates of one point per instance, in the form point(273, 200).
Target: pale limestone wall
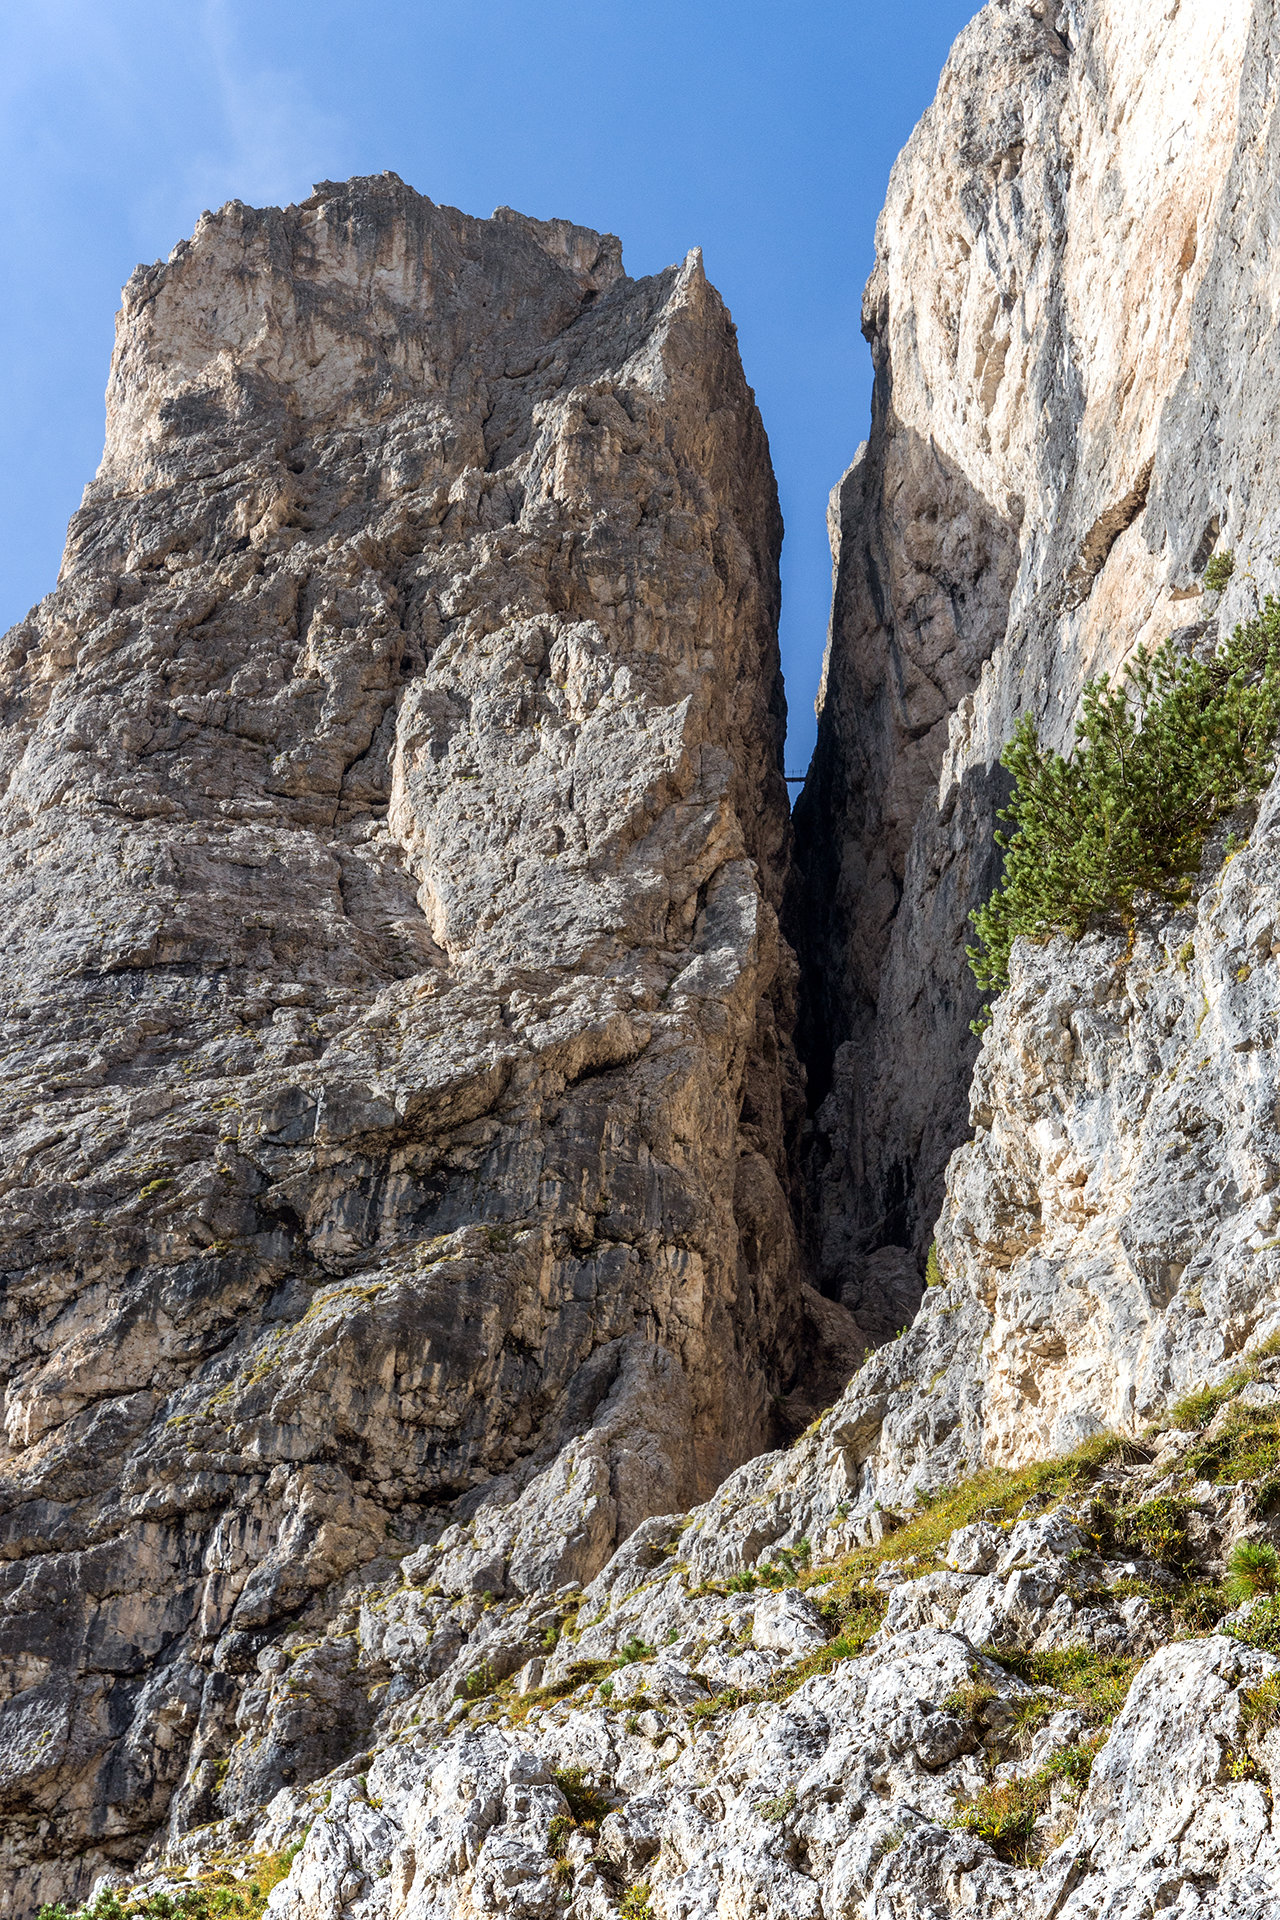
point(1068, 405)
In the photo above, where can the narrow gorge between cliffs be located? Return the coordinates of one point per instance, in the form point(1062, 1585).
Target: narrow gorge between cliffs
point(549, 1371)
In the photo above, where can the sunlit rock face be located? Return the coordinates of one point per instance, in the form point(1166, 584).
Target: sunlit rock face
point(408, 1197)
point(398, 1062)
point(1070, 316)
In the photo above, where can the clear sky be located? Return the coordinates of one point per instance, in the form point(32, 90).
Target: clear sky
point(761, 130)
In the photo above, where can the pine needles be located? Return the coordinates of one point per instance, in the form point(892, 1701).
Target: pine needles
point(1157, 762)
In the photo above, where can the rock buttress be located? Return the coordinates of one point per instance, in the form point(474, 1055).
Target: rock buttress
point(1068, 411)
point(398, 1059)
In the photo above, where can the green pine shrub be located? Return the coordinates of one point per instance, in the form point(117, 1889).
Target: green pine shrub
point(634, 1649)
point(1219, 570)
point(1157, 762)
point(217, 1895)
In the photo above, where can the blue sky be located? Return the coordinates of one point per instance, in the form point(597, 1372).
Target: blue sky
point(762, 132)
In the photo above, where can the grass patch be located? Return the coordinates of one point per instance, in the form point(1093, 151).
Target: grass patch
point(1006, 1813)
point(1260, 1707)
point(854, 1610)
point(1245, 1447)
point(970, 1701)
point(778, 1808)
point(1157, 1529)
point(856, 1628)
point(1095, 1684)
point(728, 1700)
point(994, 1493)
point(587, 1805)
point(1262, 1627)
point(784, 1570)
point(1253, 1569)
point(1196, 1410)
point(858, 1618)
point(581, 1674)
point(1199, 1606)
point(1192, 1606)
point(998, 1725)
point(587, 1808)
point(217, 1895)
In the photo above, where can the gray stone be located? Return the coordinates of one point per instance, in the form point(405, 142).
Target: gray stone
point(1071, 407)
point(398, 1063)
point(403, 1125)
point(787, 1622)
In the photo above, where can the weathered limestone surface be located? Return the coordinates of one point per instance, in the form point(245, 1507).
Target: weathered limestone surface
point(1108, 1231)
point(397, 1031)
point(401, 1114)
point(1072, 320)
point(728, 1780)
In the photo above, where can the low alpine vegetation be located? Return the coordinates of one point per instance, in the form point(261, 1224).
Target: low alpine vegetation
point(1192, 1414)
point(1006, 1813)
point(587, 1805)
point(1254, 1568)
point(216, 1896)
point(1261, 1627)
point(1096, 1684)
point(1219, 570)
point(1157, 762)
point(1260, 1710)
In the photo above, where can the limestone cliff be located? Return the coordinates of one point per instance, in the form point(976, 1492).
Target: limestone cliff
point(1106, 1221)
point(1031, 1698)
point(398, 1065)
point(402, 1273)
point(1070, 317)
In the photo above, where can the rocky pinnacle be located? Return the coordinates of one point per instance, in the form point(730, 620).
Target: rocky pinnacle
point(398, 1065)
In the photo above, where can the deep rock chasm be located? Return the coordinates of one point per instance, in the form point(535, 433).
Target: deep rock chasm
point(478, 1440)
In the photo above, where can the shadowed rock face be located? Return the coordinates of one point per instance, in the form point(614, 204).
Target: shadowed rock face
point(398, 1063)
point(1067, 414)
point(1108, 1231)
